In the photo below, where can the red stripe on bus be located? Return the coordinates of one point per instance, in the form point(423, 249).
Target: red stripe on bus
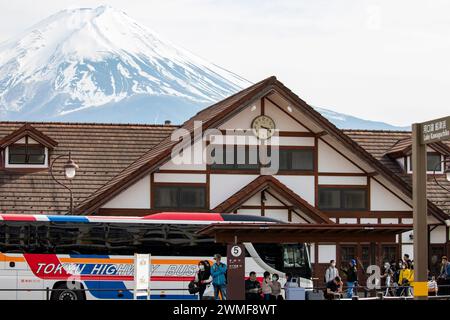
point(195, 216)
point(17, 217)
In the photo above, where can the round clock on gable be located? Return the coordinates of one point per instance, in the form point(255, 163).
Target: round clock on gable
point(263, 127)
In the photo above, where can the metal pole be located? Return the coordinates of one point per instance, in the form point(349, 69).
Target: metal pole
point(419, 168)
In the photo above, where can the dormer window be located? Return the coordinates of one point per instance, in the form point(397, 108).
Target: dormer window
point(26, 148)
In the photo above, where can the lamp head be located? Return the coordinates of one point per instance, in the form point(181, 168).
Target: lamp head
point(70, 169)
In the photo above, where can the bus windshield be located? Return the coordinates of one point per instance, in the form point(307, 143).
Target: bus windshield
point(288, 258)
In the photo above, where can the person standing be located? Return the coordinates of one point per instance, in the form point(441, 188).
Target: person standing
point(252, 287)
point(388, 275)
point(219, 278)
point(266, 289)
point(275, 285)
point(405, 279)
point(331, 273)
point(203, 277)
point(352, 277)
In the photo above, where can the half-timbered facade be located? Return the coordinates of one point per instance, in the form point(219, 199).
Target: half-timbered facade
point(214, 163)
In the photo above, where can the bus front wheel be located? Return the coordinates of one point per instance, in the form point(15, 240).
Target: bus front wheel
point(62, 292)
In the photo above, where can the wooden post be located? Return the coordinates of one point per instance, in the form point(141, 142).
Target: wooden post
point(419, 168)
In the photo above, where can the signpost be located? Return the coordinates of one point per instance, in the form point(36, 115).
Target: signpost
point(142, 272)
point(236, 272)
point(422, 134)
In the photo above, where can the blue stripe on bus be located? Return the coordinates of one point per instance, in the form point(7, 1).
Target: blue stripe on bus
point(114, 286)
point(67, 219)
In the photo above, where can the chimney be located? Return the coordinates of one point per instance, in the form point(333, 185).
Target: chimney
point(167, 123)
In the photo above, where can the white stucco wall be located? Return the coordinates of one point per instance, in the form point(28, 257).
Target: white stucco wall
point(180, 177)
point(136, 196)
point(302, 185)
point(223, 186)
point(382, 199)
point(332, 161)
point(438, 235)
point(337, 180)
point(282, 120)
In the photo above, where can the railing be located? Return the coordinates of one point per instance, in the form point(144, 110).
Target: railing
point(364, 293)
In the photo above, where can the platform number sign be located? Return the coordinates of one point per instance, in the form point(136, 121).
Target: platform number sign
point(236, 251)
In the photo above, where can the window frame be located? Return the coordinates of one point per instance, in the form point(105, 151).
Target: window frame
point(342, 191)
point(240, 168)
point(8, 164)
point(179, 187)
point(440, 171)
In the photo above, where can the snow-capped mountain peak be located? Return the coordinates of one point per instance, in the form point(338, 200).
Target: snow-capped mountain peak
point(82, 58)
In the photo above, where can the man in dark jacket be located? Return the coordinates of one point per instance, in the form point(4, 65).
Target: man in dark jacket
point(352, 277)
point(252, 287)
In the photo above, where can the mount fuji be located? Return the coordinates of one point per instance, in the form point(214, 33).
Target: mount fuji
point(100, 65)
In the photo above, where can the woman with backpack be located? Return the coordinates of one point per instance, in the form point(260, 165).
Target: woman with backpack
point(202, 277)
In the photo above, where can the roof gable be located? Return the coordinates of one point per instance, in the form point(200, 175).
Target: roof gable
point(28, 130)
point(264, 182)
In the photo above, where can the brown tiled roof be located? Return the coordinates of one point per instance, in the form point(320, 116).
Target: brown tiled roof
point(262, 183)
point(101, 150)
point(403, 147)
point(378, 143)
point(156, 156)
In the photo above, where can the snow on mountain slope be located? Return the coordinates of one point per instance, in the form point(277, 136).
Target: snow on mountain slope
point(345, 121)
point(99, 65)
point(85, 58)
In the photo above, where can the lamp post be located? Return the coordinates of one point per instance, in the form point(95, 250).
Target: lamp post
point(70, 170)
point(446, 164)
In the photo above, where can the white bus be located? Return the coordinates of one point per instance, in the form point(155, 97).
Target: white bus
point(39, 253)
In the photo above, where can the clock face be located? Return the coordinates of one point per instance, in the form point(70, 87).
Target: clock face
point(263, 127)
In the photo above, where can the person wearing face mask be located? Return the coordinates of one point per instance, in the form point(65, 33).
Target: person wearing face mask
point(265, 288)
point(275, 285)
point(331, 273)
point(203, 277)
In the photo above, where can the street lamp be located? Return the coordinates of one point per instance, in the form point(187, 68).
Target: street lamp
point(446, 164)
point(70, 170)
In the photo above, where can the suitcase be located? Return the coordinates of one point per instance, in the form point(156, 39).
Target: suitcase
point(315, 295)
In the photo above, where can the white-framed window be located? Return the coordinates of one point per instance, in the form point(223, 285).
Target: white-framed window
point(26, 156)
point(434, 162)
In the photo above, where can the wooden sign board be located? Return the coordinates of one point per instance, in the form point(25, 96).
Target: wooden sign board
point(435, 130)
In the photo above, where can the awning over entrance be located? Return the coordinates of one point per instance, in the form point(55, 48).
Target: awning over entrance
point(300, 232)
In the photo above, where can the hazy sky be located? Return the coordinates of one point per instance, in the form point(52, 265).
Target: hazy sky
point(376, 59)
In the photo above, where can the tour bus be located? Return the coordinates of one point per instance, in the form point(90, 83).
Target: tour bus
point(40, 253)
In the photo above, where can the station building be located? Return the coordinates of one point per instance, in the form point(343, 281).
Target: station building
point(325, 175)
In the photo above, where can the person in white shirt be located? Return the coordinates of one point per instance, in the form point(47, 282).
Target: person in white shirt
point(332, 272)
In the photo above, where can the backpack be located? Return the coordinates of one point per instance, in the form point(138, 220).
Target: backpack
point(193, 288)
